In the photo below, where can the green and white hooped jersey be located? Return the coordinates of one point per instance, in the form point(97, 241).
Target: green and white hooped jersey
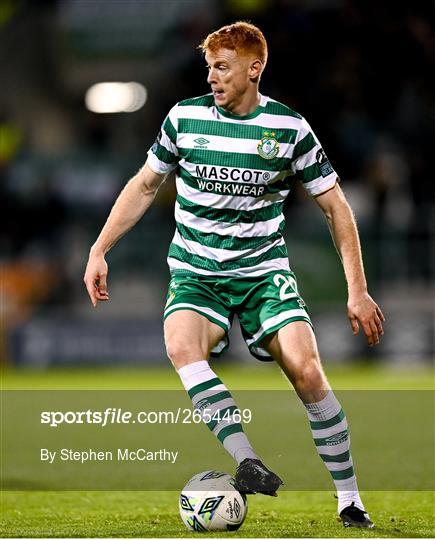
point(233, 174)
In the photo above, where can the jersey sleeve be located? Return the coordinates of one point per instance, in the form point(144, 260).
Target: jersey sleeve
point(163, 155)
point(310, 164)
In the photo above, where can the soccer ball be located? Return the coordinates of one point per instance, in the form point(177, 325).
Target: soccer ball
point(210, 502)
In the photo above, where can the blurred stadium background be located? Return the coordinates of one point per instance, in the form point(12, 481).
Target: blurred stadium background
point(360, 71)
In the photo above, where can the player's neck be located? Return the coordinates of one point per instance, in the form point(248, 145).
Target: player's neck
point(248, 104)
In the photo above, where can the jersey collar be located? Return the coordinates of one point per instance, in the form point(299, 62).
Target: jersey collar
point(253, 114)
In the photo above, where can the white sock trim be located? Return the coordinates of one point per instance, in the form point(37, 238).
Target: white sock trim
point(196, 373)
point(325, 409)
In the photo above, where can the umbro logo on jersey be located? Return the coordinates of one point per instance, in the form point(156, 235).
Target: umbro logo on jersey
point(201, 142)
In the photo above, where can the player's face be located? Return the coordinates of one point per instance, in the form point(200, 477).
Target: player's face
point(229, 75)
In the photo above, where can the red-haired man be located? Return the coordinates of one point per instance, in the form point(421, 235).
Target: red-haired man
point(236, 154)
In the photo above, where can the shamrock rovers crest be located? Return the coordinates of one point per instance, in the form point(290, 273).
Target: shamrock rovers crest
point(268, 147)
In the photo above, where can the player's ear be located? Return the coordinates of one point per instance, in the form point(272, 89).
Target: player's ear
point(255, 69)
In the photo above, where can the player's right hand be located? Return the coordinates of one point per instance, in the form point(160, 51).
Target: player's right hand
point(95, 278)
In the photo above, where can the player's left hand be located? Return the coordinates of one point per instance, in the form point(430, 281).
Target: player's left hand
point(362, 309)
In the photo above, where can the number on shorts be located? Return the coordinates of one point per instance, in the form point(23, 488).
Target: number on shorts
point(286, 283)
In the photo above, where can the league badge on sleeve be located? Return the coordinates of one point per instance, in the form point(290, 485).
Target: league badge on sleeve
point(268, 147)
point(156, 144)
point(324, 163)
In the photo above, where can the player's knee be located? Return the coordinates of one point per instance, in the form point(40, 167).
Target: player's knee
point(177, 352)
point(181, 353)
point(309, 377)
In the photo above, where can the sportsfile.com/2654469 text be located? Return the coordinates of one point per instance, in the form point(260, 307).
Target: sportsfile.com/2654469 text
point(113, 415)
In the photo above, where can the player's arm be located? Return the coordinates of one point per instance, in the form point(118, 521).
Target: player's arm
point(361, 308)
point(133, 201)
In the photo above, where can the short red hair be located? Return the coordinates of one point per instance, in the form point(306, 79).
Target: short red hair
point(240, 37)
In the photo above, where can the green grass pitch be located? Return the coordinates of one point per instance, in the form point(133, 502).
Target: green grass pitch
point(155, 514)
